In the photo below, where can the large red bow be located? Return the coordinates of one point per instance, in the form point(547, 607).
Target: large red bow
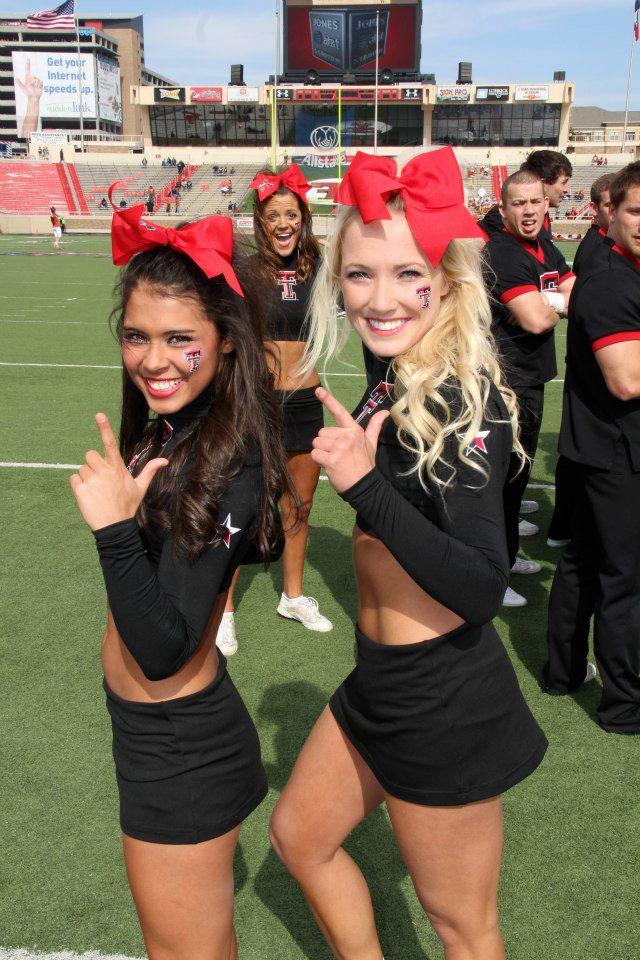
point(208, 242)
point(431, 189)
point(292, 178)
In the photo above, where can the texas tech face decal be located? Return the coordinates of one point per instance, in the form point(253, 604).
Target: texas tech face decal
point(288, 281)
point(377, 396)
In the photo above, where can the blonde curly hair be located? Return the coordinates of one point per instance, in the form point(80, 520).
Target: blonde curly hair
point(459, 349)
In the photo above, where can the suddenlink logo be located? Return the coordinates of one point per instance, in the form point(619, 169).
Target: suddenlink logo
point(73, 109)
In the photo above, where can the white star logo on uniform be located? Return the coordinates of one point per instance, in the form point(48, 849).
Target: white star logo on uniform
point(478, 443)
point(226, 531)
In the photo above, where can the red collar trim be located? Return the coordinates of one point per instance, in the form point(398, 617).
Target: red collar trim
point(602, 232)
point(537, 253)
point(627, 256)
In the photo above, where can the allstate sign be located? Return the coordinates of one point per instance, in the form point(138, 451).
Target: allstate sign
point(324, 138)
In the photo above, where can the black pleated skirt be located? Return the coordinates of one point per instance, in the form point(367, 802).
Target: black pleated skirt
point(188, 769)
point(442, 722)
point(303, 417)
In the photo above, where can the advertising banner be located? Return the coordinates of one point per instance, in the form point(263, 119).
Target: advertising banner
point(205, 94)
point(46, 137)
point(492, 94)
point(337, 39)
point(532, 93)
point(452, 94)
point(169, 95)
point(47, 84)
point(109, 96)
point(243, 94)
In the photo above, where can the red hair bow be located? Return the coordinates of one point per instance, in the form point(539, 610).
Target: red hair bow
point(208, 242)
point(292, 178)
point(431, 189)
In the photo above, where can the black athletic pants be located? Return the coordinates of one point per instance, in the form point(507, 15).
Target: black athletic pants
point(530, 403)
point(560, 525)
point(599, 575)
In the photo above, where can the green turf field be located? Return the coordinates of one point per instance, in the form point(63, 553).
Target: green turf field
point(571, 868)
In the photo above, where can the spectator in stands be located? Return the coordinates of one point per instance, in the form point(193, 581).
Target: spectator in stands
point(103, 203)
point(180, 166)
point(144, 161)
point(177, 200)
point(122, 204)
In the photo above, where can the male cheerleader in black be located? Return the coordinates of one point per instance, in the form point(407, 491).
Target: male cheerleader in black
point(530, 283)
point(200, 434)
point(555, 171)
point(431, 721)
point(598, 576)
point(559, 532)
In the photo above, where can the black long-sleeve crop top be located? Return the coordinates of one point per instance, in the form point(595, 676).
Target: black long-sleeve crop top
point(451, 542)
point(289, 302)
point(160, 600)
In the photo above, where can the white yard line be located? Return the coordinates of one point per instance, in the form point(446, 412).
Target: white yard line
point(16, 953)
point(66, 366)
point(38, 466)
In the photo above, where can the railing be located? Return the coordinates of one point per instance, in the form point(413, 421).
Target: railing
point(101, 135)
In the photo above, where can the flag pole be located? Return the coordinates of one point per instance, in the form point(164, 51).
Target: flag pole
point(375, 105)
point(77, 23)
point(274, 107)
point(340, 131)
point(626, 109)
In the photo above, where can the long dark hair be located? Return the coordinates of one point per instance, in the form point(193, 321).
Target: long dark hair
point(244, 418)
point(308, 249)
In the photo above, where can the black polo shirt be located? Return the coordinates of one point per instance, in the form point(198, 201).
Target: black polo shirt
point(492, 223)
point(515, 267)
point(604, 309)
point(587, 245)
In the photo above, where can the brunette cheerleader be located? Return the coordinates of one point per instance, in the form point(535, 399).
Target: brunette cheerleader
point(286, 263)
point(190, 492)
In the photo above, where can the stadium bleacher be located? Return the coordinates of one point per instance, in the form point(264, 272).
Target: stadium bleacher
point(32, 187)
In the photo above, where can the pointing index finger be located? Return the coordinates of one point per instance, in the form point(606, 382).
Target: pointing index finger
point(109, 442)
point(339, 413)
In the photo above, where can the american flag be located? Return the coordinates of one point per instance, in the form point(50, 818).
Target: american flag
point(60, 18)
point(636, 21)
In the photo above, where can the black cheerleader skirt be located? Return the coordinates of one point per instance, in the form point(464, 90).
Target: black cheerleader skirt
point(188, 769)
point(441, 722)
point(303, 417)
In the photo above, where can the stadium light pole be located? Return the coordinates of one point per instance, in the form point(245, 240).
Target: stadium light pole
point(375, 94)
point(340, 130)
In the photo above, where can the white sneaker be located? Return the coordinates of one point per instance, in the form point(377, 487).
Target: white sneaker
point(527, 529)
point(529, 506)
point(526, 566)
point(305, 610)
point(513, 599)
point(557, 543)
point(591, 672)
point(226, 641)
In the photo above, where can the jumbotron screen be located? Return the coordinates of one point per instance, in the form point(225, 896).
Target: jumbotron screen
point(337, 40)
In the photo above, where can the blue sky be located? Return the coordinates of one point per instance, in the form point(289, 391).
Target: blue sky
point(506, 40)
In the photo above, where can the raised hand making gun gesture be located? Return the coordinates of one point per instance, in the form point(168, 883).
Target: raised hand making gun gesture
point(346, 451)
point(104, 489)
